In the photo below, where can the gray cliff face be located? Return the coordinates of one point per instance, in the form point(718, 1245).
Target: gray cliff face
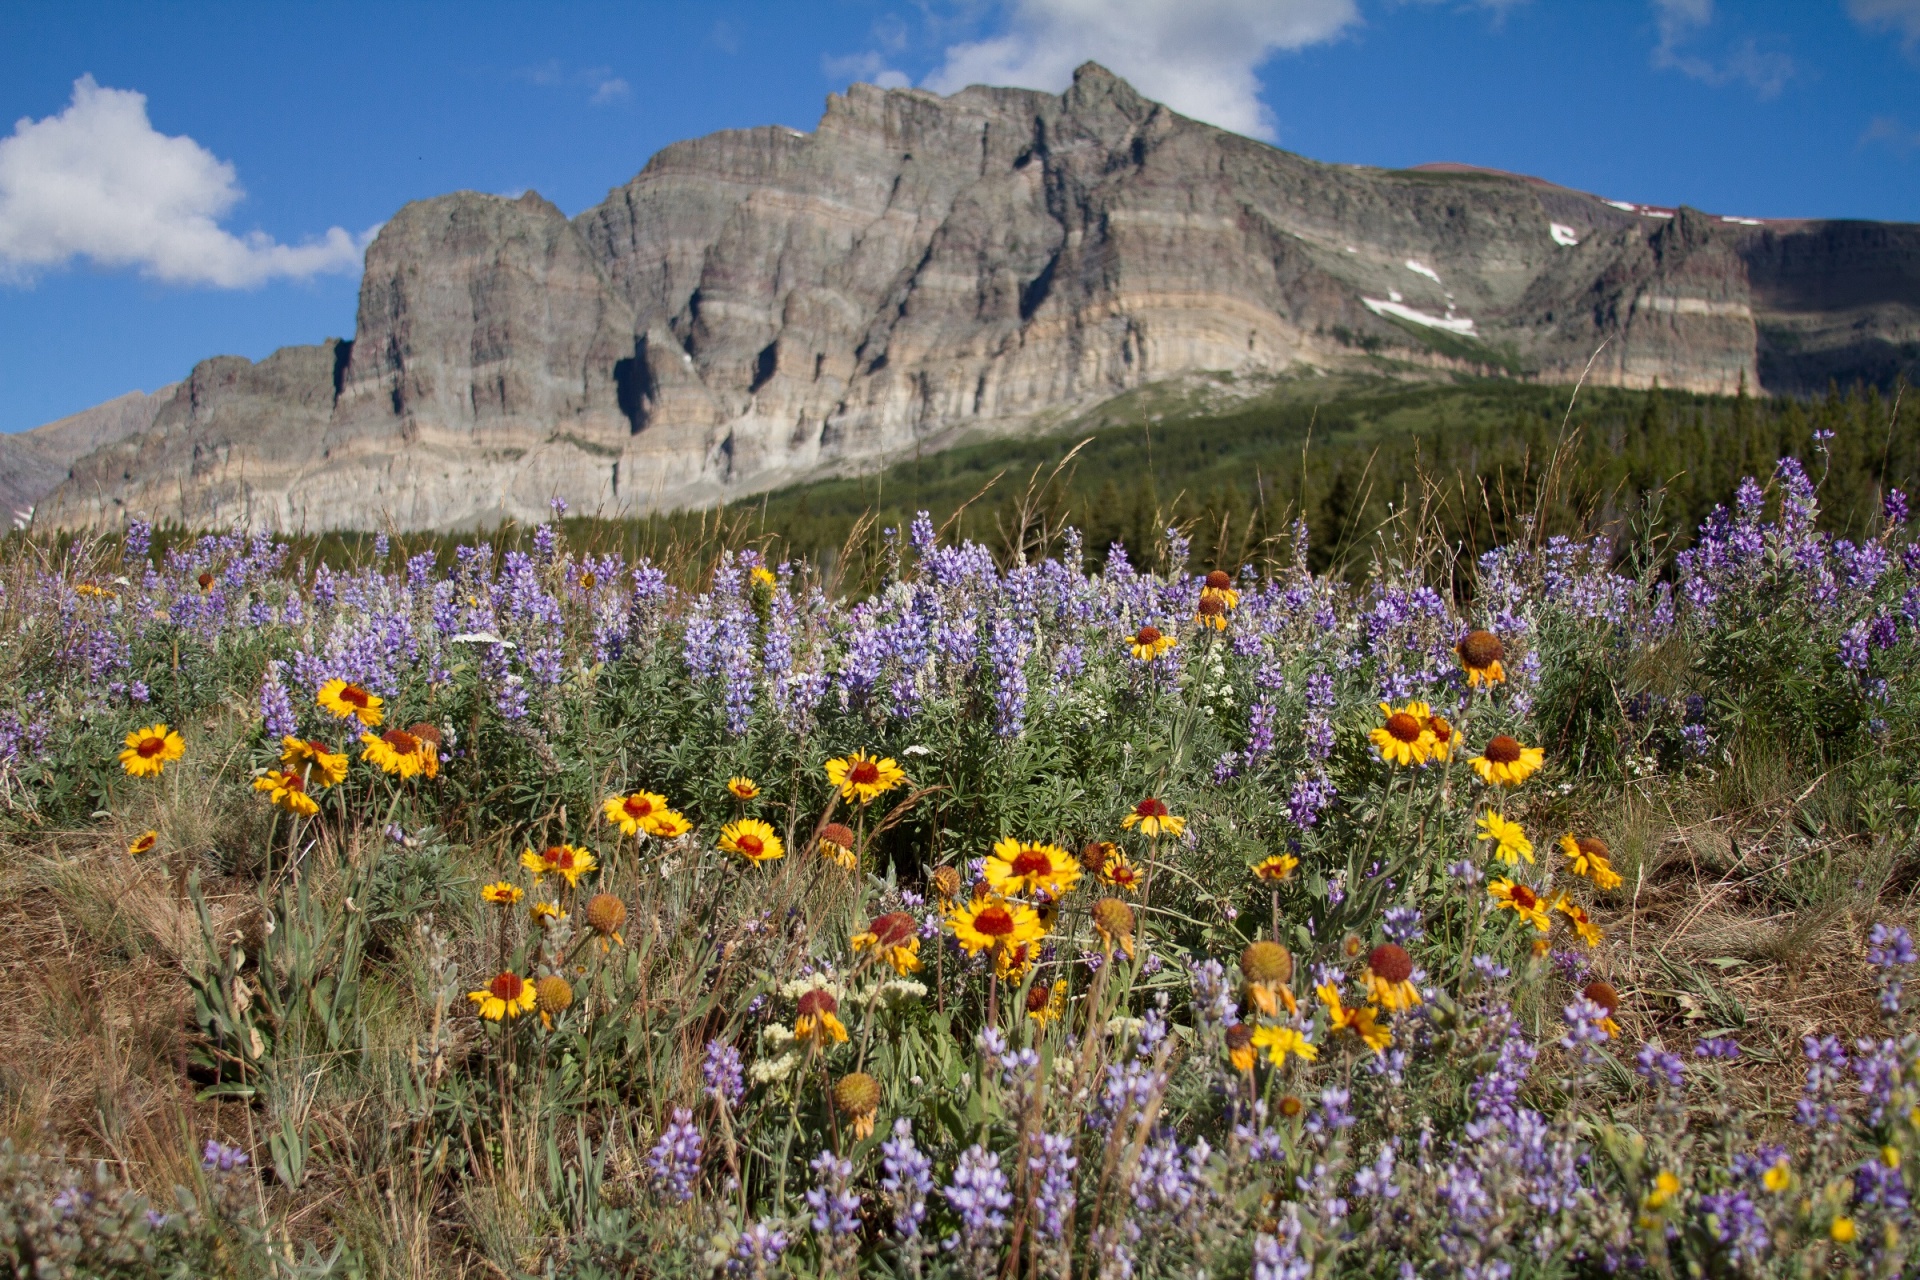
point(763, 305)
point(33, 463)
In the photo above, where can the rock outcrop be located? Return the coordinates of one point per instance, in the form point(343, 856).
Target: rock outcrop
point(33, 463)
point(764, 305)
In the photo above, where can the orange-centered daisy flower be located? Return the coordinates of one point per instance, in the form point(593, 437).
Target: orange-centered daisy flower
point(1387, 975)
point(143, 843)
point(1044, 1003)
point(1149, 643)
point(343, 700)
point(1281, 1041)
point(743, 788)
point(864, 778)
point(1577, 916)
point(1440, 739)
point(328, 768)
point(752, 839)
point(1591, 858)
point(1276, 869)
point(1361, 1021)
point(1506, 763)
point(1151, 816)
point(631, 812)
point(567, 861)
point(1211, 612)
point(1018, 867)
point(895, 937)
point(1518, 898)
point(1404, 739)
point(148, 750)
point(1010, 964)
point(1509, 839)
point(818, 1019)
point(287, 791)
point(1267, 967)
point(1219, 586)
point(1480, 653)
point(1118, 871)
point(508, 996)
point(502, 894)
point(400, 752)
point(992, 921)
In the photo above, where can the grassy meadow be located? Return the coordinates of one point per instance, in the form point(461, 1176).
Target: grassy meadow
point(1427, 832)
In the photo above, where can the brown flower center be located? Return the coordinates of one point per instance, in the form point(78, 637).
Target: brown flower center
point(354, 696)
point(1594, 848)
point(1212, 606)
point(1391, 962)
point(637, 806)
point(1441, 730)
point(863, 773)
point(586, 581)
point(425, 732)
point(750, 844)
point(995, 921)
point(1147, 636)
point(402, 741)
point(1403, 727)
point(291, 782)
point(1480, 649)
point(151, 747)
point(1219, 580)
point(205, 580)
point(1037, 997)
point(893, 929)
point(559, 857)
point(1503, 750)
point(507, 986)
point(818, 1001)
point(1150, 808)
point(1239, 1036)
point(1602, 994)
point(1123, 874)
point(1524, 898)
point(838, 833)
point(1032, 862)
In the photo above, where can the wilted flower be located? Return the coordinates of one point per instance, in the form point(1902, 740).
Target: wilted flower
point(896, 938)
point(857, 1095)
point(606, 916)
point(1607, 998)
point(1387, 975)
point(1590, 857)
point(836, 841)
point(1113, 921)
point(1267, 968)
point(817, 1020)
point(1044, 1003)
point(553, 995)
point(945, 883)
point(143, 843)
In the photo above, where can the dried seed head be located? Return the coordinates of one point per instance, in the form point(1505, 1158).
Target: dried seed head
point(1218, 580)
point(205, 580)
point(554, 994)
point(1239, 1036)
point(1480, 649)
point(1602, 994)
point(1211, 607)
point(1594, 848)
point(945, 882)
point(1266, 962)
point(895, 929)
point(1037, 997)
point(857, 1094)
point(1113, 918)
point(1291, 1106)
point(816, 1001)
point(838, 833)
point(1391, 962)
point(425, 732)
point(1093, 856)
point(606, 914)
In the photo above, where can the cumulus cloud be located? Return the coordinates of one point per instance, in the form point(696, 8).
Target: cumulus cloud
point(1197, 56)
point(1902, 16)
point(869, 68)
point(97, 181)
point(1678, 21)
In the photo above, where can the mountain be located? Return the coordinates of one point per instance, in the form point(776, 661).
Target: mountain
point(764, 305)
point(33, 463)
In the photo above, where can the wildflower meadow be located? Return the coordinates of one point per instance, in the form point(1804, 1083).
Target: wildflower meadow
point(535, 912)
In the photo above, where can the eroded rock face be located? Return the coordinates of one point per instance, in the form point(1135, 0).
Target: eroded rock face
point(762, 305)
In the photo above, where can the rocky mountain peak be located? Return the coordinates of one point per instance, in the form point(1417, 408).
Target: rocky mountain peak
point(762, 305)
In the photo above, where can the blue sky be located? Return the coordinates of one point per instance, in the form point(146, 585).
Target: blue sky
point(224, 213)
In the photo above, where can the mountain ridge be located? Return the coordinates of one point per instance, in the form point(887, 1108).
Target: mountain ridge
point(763, 305)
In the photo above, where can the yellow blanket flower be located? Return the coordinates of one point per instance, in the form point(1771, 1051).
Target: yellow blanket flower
point(1510, 843)
point(863, 778)
point(508, 996)
point(993, 921)
point(1151, 816)
point(288, 792)
point(343, 700)
point(752, 839)
point(149, 750)
point(567, 861)
point(1281, 1041)
point(1504, 762)
point(1512, 896)
point(1020, 867)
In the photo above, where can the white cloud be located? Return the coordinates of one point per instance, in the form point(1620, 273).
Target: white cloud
point(602, 86)
point(1197, 56)
point(1893, 133)
point(1764, 72)
point(98, 181)
point(1893, 15)
point(869, 68)
point(612, 89)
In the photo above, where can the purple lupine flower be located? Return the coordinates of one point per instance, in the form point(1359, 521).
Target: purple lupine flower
point(1377, 1179)
point(140, 538)
point(217, 1155)
point(1312, 793)
point(276, 708)
point(1052, 1169)
point(909, 1176)
point(1733, 1221)
point(1717, 1049)
point(757, 1252)
point(720, 1073)
point(1877, 1065)
point(1584, 1031)
point(1007, 651)
point(1657, 1065)
point(1880, 1185)
point(1402, 924)
point(675, 1158)
point(1896, 507)
point(1826, 1060)
point(980, 1196)
point(1277, 1257)
point(836, 1209)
